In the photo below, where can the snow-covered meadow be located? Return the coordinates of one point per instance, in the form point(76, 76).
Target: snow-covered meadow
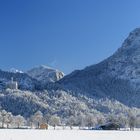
point(20, 134)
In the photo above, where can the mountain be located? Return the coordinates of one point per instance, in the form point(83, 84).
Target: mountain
point(111, 87)
point(117, 77)
point(32, 96)
point(45, 74)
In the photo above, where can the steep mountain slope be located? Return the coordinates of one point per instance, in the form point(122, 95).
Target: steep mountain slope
point(45, 74)
point(116, 77)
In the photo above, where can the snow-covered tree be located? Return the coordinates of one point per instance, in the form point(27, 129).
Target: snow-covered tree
point(112, 118)
point(54, 121)
point(46, 118)
point(37, 118)
point(81, 120)
point(71, 121)
point(123, 120)
point(138, 121)
point(19, 121)
point(90, 120)
point(30, 121)
point(9, 119)
point(131, 120)
point(100, 119)
point(3, 117)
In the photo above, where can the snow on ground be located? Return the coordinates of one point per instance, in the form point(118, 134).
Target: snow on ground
point(12, 134)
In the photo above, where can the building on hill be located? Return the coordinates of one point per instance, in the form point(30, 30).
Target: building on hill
point(12, 84)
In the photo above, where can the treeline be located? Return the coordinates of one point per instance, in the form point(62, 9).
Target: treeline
point(8, 120)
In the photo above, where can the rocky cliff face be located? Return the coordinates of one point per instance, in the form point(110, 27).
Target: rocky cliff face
point(45, 74)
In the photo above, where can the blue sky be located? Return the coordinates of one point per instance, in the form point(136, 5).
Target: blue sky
point(65, 34)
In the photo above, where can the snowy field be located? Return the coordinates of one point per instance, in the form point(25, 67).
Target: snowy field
point(68, 135)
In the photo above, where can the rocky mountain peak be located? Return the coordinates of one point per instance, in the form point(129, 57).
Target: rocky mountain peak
point(129, 53)
point(133, 40)
point(45, 74)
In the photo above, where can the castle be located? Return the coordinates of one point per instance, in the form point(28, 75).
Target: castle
point(12, 84)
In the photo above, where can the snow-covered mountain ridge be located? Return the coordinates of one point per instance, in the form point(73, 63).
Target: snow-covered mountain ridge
point(45, 74)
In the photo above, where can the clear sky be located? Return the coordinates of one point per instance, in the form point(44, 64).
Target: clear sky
point(64, 34)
